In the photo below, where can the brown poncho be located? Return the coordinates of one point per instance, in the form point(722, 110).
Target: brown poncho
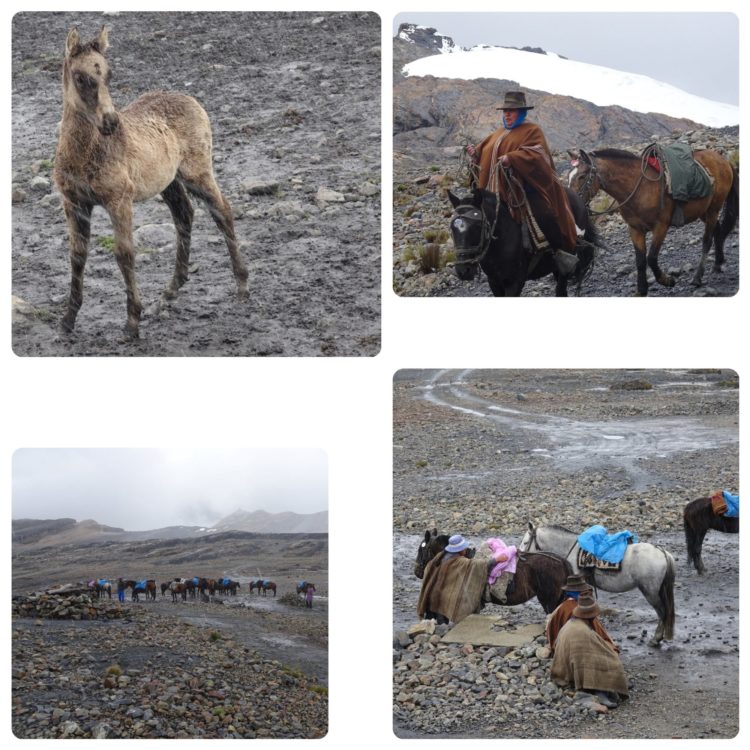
point(586, 661)
point(452, 587)
point(562, 614)
point(531, 161)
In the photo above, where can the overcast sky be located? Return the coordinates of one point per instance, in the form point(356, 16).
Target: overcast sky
point(139, 489)
point(697, 52)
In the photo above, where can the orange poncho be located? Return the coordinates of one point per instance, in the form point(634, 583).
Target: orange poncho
point(531, 161)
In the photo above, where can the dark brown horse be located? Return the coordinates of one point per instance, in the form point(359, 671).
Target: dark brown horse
point(267, 586)
point(158, 144)
point(646, 207)
point(538, 574)
point(147, 587)
point(697, 518)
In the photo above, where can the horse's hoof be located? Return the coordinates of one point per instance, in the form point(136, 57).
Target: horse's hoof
point(242, 291)
point(67, 325)
point(131, 333)
point(654, 643)
point(696, 281)
point(718, 268)
point(667, 280)
point(169, 293)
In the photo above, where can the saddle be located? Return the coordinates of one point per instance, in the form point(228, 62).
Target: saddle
point(588, 560)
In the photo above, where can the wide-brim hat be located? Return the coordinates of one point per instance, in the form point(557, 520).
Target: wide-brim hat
point(587, 608)
point(576, 583)
point(456, 544)
point(515, 100)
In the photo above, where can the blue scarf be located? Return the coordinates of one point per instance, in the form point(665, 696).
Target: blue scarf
point(520, 119)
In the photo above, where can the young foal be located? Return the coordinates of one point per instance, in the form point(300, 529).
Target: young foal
point(160, 143)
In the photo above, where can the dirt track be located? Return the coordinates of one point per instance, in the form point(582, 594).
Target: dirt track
point(482, 452)
point(290, 97)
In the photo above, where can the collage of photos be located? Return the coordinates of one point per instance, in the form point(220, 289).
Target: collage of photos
point(224, 224)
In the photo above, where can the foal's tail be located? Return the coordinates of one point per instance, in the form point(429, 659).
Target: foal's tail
point(666, 597)
point(731, 210)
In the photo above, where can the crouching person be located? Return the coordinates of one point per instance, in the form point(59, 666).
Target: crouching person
point(586, 661)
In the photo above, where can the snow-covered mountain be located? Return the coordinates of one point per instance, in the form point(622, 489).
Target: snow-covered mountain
point(558, 75)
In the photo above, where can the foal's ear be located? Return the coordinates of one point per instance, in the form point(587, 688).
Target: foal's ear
point(102, 41)
point(583, 155)
point(72, 43)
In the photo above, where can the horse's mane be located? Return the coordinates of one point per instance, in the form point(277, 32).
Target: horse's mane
point(615, 153)
point(559, 528)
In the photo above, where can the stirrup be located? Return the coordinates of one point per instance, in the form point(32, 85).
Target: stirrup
point(566, 262)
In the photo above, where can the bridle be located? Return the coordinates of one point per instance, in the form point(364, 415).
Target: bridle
point(473, 214)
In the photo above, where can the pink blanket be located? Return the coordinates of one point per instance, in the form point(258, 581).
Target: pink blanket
point(509, 566)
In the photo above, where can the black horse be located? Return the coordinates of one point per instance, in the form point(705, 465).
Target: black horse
point(538, 574)
point(491, 238)
point(697, 518)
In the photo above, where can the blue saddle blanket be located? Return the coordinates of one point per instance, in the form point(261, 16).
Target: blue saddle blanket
point(196, 580)
point(140, 585)
point(102, 581)
point(733, 504)
point(225, 581)
point(608, 547)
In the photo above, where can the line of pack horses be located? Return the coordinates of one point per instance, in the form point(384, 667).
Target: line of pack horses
point(549, 554)
point(184, 588)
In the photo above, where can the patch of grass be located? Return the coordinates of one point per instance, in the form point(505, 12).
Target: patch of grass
point(410, 253)
point(107, 242)
point(115, 670)
point(439, 236)
point(320, 690)
point(434, 169)
point(429, 258)
point(296, 673)
point(632, 385)
point(421, 464)
point(215, 636)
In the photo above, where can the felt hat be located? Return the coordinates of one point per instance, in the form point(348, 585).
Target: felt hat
point(587, 608)
point(515, 100)
point(576, 583)
point(456, 544)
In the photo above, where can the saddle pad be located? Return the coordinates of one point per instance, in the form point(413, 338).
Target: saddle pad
point(687, 179)
point(587, 560)
point(718, 504)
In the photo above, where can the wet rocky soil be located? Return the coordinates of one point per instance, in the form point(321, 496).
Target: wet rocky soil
point(296, 152)
point(483, 452)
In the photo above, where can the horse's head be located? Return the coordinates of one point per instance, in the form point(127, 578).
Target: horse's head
point(432, 544)
point(583, 177)
point(529, 539)
point(86, 76)
point(470, 229)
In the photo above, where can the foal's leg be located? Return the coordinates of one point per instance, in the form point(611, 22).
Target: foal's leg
point(121, 214)
point(176, 197)
point(657, 238)
point(205, 187)
point(78, 217)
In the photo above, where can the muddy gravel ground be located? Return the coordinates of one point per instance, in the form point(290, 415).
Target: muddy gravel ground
point(296, 152)
point(482, 452)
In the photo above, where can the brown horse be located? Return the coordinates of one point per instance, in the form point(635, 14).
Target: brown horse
point(266, 586)
point(646, 207)
point(159, 144)
point(697, 518)
point(538, 574)
point(147, 587)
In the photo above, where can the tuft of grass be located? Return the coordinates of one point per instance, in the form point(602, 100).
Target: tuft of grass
point(410, 253)
point(319, 689)
point(421, 463)
point(439, 236)
point(115, 670)
point(429, 258)
point(107, 242)
point(215, 636)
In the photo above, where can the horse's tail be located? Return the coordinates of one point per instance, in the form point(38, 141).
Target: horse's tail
point(731, 211)
point(666, 597)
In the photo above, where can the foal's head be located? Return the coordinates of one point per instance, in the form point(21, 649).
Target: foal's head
point(86, 76)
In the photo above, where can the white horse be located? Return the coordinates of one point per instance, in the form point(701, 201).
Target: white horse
point(646, 567)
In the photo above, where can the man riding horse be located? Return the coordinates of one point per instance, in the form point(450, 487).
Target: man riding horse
point(516, 163)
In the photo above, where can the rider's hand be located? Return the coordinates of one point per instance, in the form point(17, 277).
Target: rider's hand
point(471, 150)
